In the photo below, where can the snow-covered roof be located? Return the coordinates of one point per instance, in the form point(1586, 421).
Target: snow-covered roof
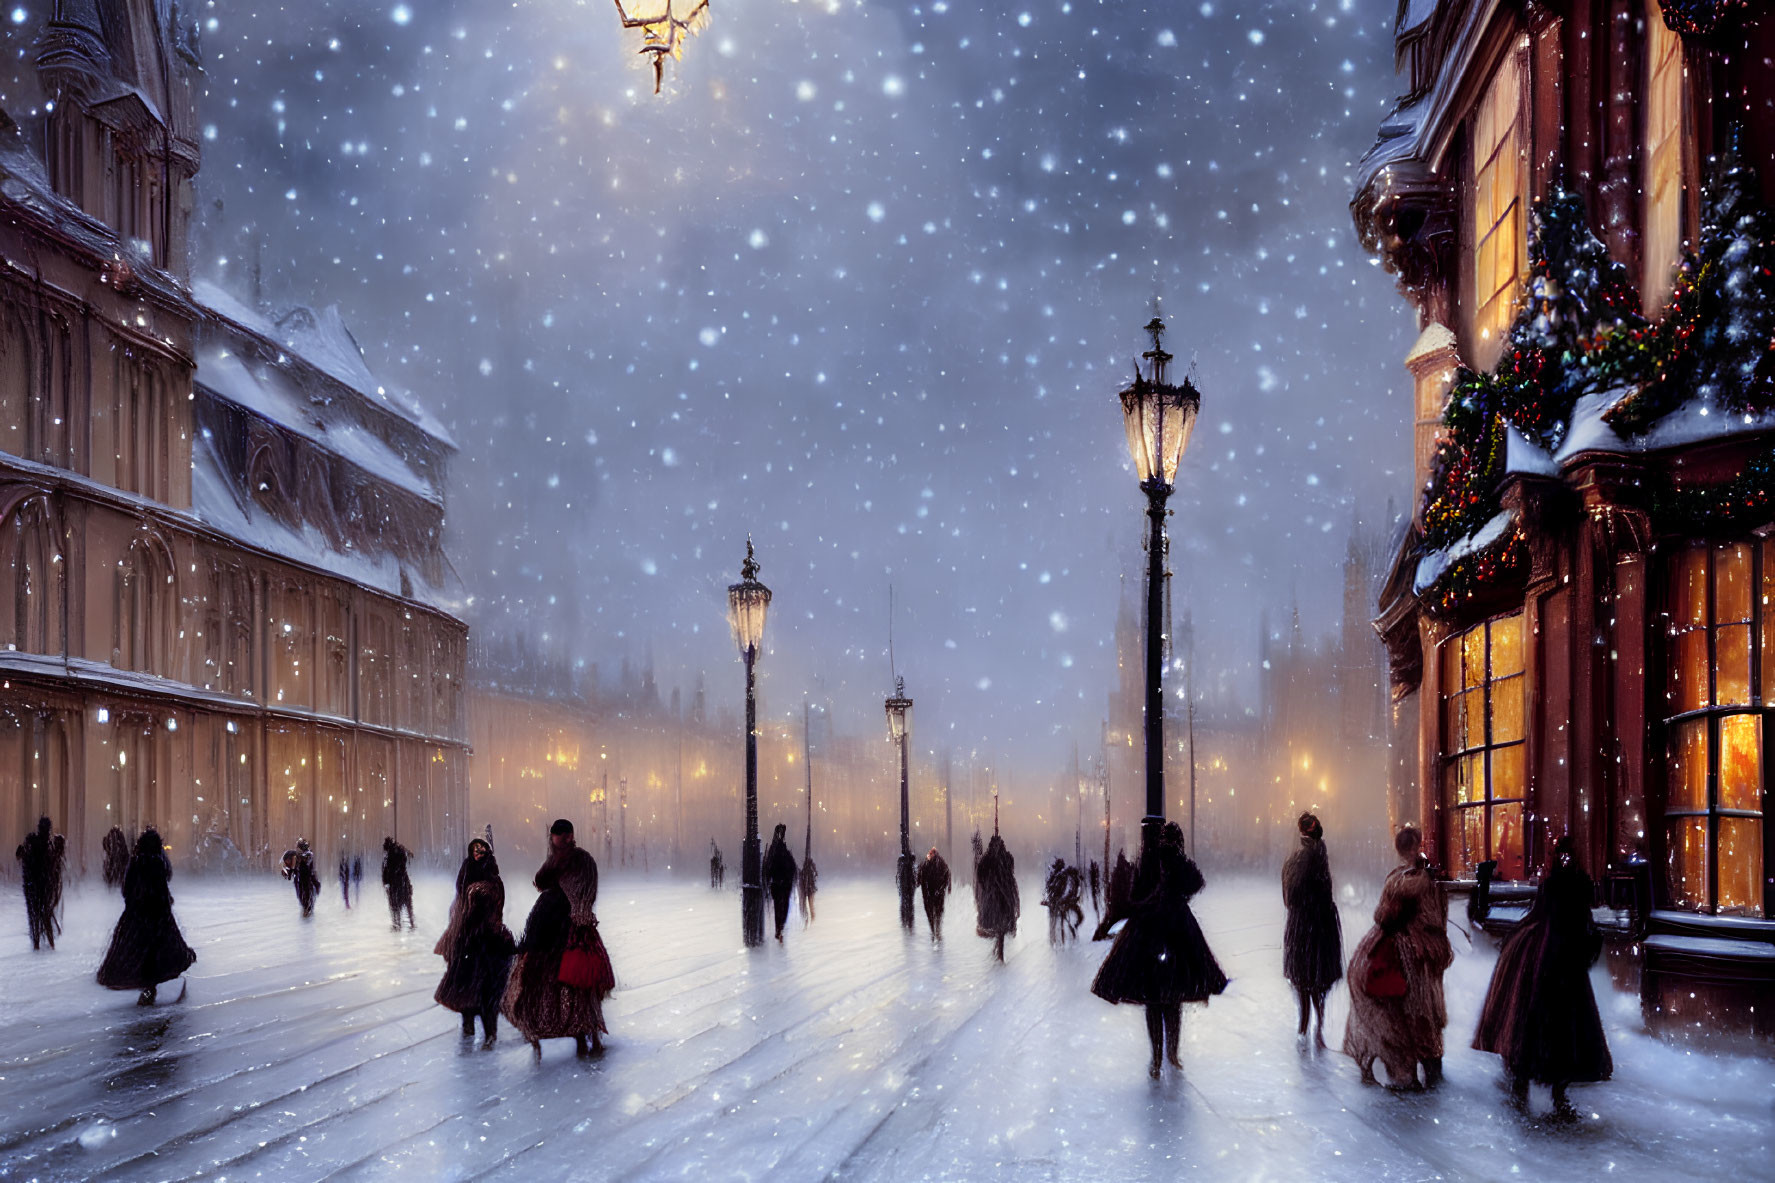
point(322, 340)
point(215, 504)
point(1434, 563)
point(270, 393)
point(1436, 338)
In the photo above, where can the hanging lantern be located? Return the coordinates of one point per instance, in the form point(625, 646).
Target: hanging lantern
point(664, 25)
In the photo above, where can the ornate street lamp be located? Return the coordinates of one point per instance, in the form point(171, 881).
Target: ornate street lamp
point(747, 602)
point(899, 717)
point(1158, 417)
point(664, 25)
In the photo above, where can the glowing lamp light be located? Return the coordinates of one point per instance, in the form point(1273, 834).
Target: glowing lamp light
point(1158, 416)
point(899, 712)
point(747, 603)
point(664, 27)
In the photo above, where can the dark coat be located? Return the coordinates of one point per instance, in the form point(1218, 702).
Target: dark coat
point(779, 868)
point(1313, 940)
point(116, 865)
point(147, 947)
point(1540, 1012)
point(536, 1002)
point(1161, 957)
point(933, 881)
point(395, 880)
point(480, 953)
point(997, 904)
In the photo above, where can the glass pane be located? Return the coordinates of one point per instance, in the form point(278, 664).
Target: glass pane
point(1688, 587)
point(1506, 840)
point(1473, 657)
point(1741, 866)
point(1469, 840)
point(1687, 788)
point(1741, 762)
point(1473, 707)
point(1506, 710)
point(1731, 583)
point(1454, 724)
point(1731, 653)
point(1470, 784)
point(1506, 646)
point(1688, 862)
point(1688, 672)
point(1451, 777)
point(1507, 773)
point(1768, 617)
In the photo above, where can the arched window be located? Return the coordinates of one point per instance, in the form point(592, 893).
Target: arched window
point(146, 597)
point(30, 580)
point(18, 385)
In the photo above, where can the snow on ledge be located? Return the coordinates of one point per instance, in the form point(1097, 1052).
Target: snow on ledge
point(1432, 565)
point(1522, 456)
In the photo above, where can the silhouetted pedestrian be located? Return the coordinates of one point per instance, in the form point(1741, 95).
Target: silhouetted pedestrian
point(477, 949)
point(396, 882)
point(298, 868)
point(147, 947)
point(1161, 959)
point(116, 848)
point(40, 858)
point(995, 896)
point(933, 886)
point(779, 876)
point(1540, 1012)
point(1312, 941)
point(345, 879)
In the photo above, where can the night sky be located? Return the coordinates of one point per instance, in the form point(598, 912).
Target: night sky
point(864, 281)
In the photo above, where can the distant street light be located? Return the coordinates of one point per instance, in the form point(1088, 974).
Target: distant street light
point(1158, 418)
point(747, 603)
point(899, 717)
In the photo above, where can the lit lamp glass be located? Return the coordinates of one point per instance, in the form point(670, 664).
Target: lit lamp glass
point(747, 603)
point(1158, 416)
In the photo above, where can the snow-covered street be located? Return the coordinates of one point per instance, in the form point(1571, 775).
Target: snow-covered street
point(308, 1050)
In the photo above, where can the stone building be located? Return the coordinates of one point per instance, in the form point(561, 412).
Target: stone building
point(1575, 198)
point(225, 609)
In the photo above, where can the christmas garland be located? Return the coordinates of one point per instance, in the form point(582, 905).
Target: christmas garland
point(1471, 575)
point(1700, 17)
point(1746, 500)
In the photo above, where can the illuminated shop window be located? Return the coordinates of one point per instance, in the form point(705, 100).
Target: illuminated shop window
point(1717, 632)
point(1484, 765)
point(1500, 246)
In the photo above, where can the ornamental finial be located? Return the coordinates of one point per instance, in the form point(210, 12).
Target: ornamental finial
point(749, 569)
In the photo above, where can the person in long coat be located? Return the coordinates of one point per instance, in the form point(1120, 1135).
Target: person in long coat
point(1118, 896)
point(1160, 959)
point(147, 947)
point(807, 884)
point(537, 1002)
point(478, 866)
point(298, 868)
point(1540, 1012)
point(1313, 939)
point(933, 887)
point(396, 882)
point(779, 876)
point(116, 865)
point(996, 901)
point(477, 948)
point(1408, 945)
point(40, 870)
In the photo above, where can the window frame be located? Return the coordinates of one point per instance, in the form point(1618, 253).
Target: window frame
point(1489, 314)
point(1451, 751)
point(1665, 159)
point(1712, 714)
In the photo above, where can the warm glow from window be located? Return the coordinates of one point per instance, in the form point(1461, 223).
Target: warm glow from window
point(1500, 255)
point(1484, 771)
point(1713, 784)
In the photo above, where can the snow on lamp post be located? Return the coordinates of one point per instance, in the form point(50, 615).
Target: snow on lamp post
point(663, 29)
point(747, 602)
point(1159, 418)
point(899, 717)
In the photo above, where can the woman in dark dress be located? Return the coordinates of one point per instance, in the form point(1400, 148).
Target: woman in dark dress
point(1161, 959)
point(537, 1001)
point(480, 955)
point(478, 866)
point(396, 882)
point(996, 902)
point(1313, 941)
point(779, 876)
point(146, 947)
point(298, 868)
point(1540, 1012)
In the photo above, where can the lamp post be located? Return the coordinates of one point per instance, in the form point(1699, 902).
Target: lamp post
point(899, 717)
point(747, 602)
point(1158, 417)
